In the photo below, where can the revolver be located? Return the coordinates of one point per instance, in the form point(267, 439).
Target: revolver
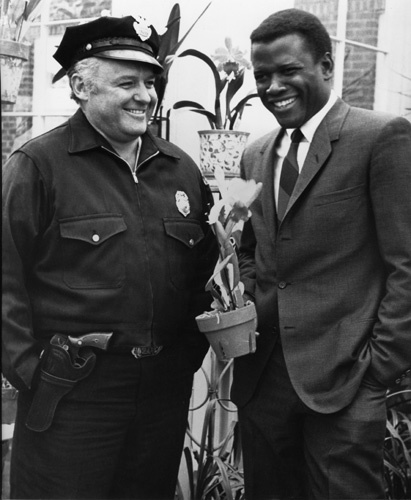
point(73, 345)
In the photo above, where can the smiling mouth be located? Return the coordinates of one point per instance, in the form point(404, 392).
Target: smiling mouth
point(285, 103)
point(136, 112)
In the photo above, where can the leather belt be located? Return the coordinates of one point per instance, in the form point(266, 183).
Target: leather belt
point(136, 351)
point(144, 351)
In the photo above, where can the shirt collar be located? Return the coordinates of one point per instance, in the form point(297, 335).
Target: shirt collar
point(309, 127)
point(83, 137)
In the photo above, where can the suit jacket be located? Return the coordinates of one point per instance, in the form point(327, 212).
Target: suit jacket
point(333, 280)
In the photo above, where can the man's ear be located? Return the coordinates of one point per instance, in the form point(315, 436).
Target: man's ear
point(78, 87)
point(327, 65)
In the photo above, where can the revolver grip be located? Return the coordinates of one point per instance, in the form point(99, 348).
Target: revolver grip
point(95, 339)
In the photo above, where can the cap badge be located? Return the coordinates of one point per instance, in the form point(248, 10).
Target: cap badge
point(142, 28)
point(182, 202)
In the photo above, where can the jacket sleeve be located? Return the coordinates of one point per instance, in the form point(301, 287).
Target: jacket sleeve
point(24, 196)
point(390, 190)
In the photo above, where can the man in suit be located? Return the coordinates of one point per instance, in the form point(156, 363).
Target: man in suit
point(327, 261)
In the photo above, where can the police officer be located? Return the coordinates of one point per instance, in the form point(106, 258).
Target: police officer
point(106, 251)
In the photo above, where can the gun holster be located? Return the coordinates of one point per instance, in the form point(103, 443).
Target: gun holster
point(58, 375)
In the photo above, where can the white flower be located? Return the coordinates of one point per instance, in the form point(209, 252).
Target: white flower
point(236, 196)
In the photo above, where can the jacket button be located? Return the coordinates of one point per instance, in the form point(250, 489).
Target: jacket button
point(95, 238)
point(282, 285)
point(191, 242)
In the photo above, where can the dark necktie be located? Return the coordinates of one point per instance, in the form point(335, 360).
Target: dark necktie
point(289, 174)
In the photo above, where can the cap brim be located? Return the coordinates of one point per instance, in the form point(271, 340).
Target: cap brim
point(129, 55)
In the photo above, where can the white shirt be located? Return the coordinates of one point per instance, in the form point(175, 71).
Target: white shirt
point(308, 130)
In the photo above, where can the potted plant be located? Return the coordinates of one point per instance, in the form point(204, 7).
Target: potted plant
point(230, 326)
point(15, 17)
point(223, 144)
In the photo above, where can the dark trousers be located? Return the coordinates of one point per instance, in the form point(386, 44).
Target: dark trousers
point(118, 434)
point(290, 451)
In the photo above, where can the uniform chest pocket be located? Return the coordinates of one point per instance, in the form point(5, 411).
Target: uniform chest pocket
point(92, 251)
point(183, 237)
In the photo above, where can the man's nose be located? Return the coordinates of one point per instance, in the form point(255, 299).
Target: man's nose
point(142, 94)
point(276, 85)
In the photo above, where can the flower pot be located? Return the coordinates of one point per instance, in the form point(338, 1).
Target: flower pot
point(12, 56)
point(222, 147)
point(231, 334)
point(8, 405)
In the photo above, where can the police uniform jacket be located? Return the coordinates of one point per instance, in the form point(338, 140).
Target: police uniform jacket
point(86, 247)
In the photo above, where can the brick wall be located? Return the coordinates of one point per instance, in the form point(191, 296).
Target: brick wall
point(362, 26)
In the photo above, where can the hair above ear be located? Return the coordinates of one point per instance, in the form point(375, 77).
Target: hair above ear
point(82, 77)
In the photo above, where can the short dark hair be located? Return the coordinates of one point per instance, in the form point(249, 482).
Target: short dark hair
point(289, 21)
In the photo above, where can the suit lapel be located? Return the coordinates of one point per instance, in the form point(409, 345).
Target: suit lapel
point(320, 148)
point(268, 158)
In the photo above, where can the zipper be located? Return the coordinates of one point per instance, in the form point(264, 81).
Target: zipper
point(148, 260)
point(124, 161)
point(141, 214)
point(149, 158)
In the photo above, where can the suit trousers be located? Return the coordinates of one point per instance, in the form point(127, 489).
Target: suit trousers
point(118, 434)
point(291, 451)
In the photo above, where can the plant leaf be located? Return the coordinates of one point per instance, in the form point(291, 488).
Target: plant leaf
point(225, 481)
point(187, 104)
point(190, 470)
point(238, 109)
point(212, 120)
point(210, 64)
point(218, 268)
point(233, 87)
point(169, 39)
point(178, 45)
point(198, 108)
point(166, 49)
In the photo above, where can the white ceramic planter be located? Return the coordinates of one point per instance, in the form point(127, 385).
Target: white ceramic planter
point(224, 148)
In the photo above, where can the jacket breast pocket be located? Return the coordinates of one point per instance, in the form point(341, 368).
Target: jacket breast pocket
point(340, 196)
point(92, 251)
point(183, 237)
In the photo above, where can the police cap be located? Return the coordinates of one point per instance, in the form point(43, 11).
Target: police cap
point(123, 38)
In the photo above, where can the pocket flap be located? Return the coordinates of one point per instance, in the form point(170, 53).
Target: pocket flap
point(92, 229)
point(188, 232)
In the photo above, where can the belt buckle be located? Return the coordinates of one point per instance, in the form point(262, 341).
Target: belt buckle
point(145, 351)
